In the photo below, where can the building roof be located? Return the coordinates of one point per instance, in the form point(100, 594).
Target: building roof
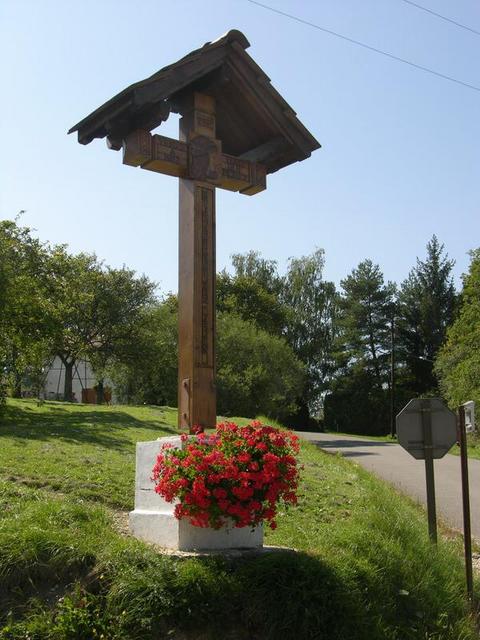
point(253, 121)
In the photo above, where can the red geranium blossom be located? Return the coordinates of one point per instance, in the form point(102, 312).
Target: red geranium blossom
point(238, 474)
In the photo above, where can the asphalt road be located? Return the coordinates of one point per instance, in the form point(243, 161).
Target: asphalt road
point(392, 463)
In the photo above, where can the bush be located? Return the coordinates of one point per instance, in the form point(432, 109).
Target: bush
point(257, 373)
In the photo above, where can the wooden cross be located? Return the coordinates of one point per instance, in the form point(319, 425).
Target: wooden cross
point(198, 161)
point(256, 125)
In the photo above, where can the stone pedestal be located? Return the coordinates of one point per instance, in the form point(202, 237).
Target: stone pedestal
point(153, 519)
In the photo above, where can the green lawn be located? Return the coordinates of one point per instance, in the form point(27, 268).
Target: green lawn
point(364, 569)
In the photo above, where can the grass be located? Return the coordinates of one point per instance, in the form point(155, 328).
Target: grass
point(473, 446)
point(364, 568)
point(386, 438)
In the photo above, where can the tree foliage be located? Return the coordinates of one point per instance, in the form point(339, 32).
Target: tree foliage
point(288, 345)
point(54, 303)
point(364, 320)
point(312, 304)
point(145, 370)
point(25, 313)
point(257, 373)
point(357, 401)
point(426, 309)
point(245, 296)
point(458, 361)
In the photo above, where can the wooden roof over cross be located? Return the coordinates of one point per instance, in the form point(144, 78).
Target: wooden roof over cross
point(253, 121)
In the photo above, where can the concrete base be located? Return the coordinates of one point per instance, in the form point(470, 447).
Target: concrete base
point(153, 519)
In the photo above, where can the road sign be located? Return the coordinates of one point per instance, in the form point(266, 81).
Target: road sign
point(412, 425)
point(427, 429)
point(469, 408)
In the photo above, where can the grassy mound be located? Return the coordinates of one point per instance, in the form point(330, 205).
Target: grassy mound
point(364, 567)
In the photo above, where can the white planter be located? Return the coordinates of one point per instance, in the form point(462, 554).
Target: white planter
point(153, 521)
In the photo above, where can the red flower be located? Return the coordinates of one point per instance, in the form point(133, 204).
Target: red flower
point(239, 474)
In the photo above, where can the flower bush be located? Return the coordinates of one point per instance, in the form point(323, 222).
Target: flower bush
point(237, 474)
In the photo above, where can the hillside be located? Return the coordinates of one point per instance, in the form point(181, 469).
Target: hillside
point(363, 569)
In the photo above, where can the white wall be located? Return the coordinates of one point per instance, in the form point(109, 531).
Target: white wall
point(83, 378)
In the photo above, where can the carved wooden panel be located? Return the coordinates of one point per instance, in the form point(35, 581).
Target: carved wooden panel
point(258, 180)
point(201, 159)
point(204, 159)
point(137, 148)
point(204, 123)
point(168, 156)
point(205, 276)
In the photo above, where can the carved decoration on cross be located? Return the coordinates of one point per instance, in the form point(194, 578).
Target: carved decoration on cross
point(200, 159)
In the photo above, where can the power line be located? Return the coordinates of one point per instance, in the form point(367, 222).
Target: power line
point(439, 15)
point(366, 46)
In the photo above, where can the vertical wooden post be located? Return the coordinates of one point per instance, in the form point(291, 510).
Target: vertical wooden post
point(467, 528)
point(196, 286)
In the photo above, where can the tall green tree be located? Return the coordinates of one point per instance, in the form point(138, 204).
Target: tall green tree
point(118, 300)
point(246, 297)
point(364, 320)
point(257, 373)
point(458, 359)
point(96, 311)
point(262, 270)
point(426, 308)
point(312, 303)
point(145, 369)
point(25, 318)
point(357, 401)
point(252, 292)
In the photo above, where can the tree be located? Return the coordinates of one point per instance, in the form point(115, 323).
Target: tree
point(311, 303)
point(253, 292)
point(245, 296)
point(257, 373)
point(96, 310)
point(426, 308)
point(458, 360)
point(252, 265)
point(25, 319)
point(357, 401)
point(364, 321)
point(145, 369)
point(118, 300)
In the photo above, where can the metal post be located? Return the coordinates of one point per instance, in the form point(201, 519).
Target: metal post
point(428, 446)
point(392, 377)
point(467, 532)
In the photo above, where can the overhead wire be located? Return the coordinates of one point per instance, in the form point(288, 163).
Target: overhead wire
point(439, 15)
point(366, 46)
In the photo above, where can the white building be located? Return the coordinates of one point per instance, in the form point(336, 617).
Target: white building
point(83, 382)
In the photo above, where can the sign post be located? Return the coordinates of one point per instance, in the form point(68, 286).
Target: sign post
point(429, 472)
point(427, 429)
point(467, 530)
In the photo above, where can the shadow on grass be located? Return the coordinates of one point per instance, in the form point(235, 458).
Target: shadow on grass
point(279, 595)
point(104, 428)
point(345, 443)
point(292, 596)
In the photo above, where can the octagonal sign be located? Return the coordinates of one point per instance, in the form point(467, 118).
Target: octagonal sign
point(411, 426)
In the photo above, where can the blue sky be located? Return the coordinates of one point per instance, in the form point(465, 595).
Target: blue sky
point(400, 155)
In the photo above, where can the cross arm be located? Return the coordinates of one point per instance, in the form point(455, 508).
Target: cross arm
point(200, 159)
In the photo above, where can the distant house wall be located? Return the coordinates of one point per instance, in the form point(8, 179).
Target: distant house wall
point(83, 382)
